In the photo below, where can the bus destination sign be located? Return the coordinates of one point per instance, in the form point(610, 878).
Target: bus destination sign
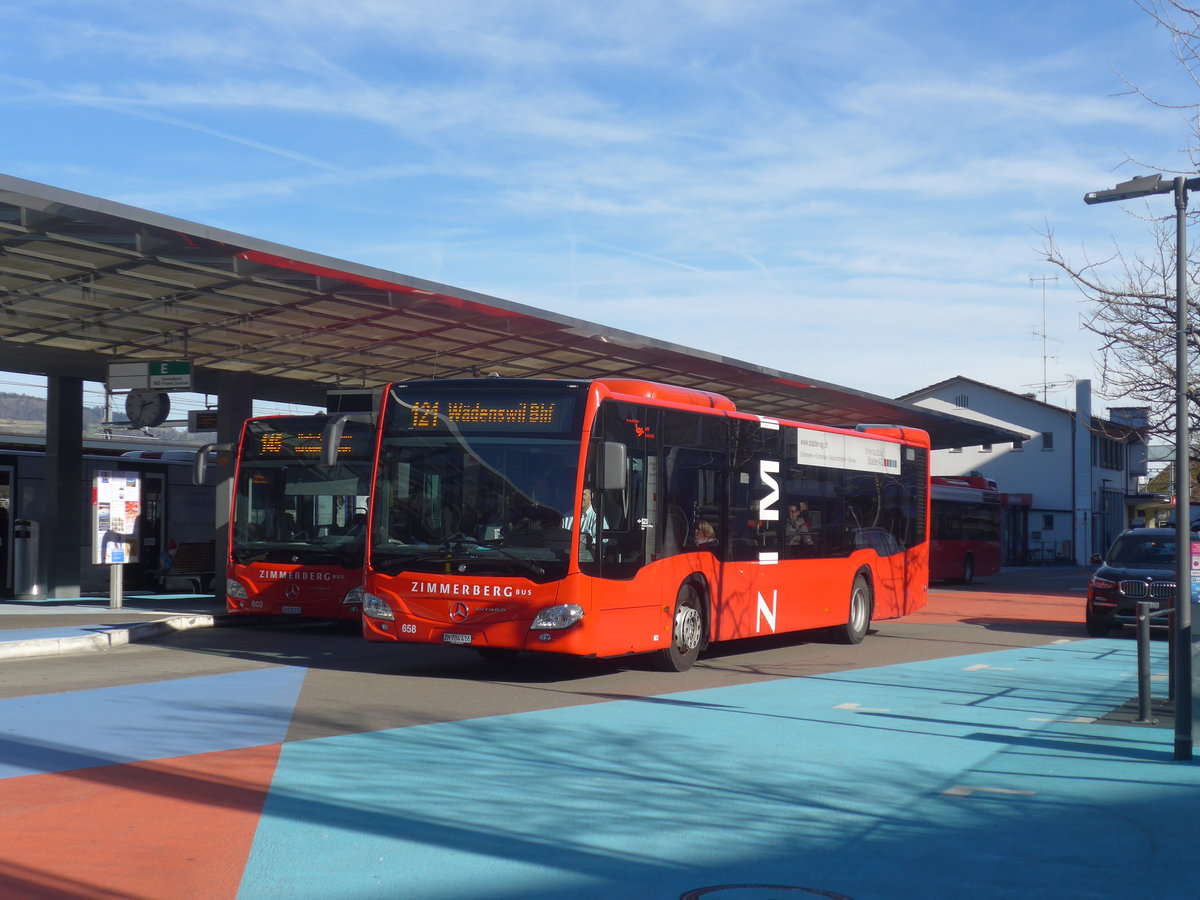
point(552, 413)
point(264, 441)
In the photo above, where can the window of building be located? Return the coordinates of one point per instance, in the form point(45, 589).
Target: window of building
point(1047, 440)
point(1107, 453)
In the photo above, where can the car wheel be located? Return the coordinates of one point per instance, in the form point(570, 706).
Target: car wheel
point(1097, 627)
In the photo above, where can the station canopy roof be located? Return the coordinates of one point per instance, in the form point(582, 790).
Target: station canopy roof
point(85, 282)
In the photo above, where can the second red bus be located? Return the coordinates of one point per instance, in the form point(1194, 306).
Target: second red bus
point(298, 524)
point(964, 528)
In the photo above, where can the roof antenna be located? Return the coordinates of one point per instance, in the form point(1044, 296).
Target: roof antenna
point(1045, 379)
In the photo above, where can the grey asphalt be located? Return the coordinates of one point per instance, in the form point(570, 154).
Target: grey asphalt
point(31, 628)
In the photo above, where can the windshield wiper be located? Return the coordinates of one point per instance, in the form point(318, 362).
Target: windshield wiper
point(244, 555)
point(463, 549)
point(528, 563)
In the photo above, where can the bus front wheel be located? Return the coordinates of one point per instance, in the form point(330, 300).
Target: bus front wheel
point(687, 629)
point(859, 619)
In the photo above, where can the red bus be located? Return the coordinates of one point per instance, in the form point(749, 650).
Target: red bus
point(964, 528)
point(611, 517)
point(298, 524)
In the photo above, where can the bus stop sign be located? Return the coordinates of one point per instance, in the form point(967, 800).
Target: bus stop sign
point(173, 375)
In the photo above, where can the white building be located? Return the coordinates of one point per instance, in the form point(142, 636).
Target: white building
point(1070, 488)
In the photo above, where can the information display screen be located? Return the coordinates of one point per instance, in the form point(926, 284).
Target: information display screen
point(299, 437)
point(504, 411)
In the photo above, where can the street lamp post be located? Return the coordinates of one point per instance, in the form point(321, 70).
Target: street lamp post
point(1144, 186)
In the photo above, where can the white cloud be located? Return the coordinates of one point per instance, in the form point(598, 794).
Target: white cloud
point(864, 180)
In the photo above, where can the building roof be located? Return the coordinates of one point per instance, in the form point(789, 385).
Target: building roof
point(1110, 428)
point(86, 281)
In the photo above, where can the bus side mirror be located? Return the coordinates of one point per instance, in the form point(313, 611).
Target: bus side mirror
point(614, 466)
point(331, 435)
point(200, 464)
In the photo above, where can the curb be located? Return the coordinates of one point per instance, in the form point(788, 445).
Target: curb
point(118, 636)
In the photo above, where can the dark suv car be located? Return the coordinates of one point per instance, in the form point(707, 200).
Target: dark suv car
point(1140, 565)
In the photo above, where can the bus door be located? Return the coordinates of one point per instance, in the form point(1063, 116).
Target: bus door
point(7, 477)
point(627, 509)
point(755, 596)
point(693, 499)
point(152, 541)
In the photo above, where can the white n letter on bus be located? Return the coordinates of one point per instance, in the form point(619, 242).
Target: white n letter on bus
point(767, 613)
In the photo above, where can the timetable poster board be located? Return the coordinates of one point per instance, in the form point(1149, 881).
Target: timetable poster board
point(1195, 571)
point(116, 506)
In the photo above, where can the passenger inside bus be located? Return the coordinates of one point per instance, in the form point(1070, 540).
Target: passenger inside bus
point(705, 536)
point(799, 525)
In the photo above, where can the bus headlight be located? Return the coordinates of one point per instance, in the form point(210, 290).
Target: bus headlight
point(375, 607)
point(354, 596)
point(557, 618)
point(235, 590)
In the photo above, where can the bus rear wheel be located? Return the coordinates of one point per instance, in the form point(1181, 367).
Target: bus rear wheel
point(687, 630)
point(859, 618)
point(968, 570)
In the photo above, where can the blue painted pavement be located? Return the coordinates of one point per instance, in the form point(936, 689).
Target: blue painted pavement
point(988, 776)
point(982, 776)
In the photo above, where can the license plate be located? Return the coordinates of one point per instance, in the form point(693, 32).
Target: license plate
point(292, 610)
point(450, 638)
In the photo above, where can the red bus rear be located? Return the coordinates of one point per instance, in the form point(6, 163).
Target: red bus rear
point(964, 528)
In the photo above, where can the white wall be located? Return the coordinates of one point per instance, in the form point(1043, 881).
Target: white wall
point(1044, 469)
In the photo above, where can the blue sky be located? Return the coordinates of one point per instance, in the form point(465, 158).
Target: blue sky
point(852, 191)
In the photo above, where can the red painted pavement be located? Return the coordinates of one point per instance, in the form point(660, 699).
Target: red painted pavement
point(978, 607)
point(171, 828)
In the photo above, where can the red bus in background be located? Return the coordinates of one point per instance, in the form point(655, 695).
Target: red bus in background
point(298, 524)
point(610, 517)
point(964, 531)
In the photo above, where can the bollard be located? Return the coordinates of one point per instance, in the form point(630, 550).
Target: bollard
point(1144, 609)
point(1171, 654)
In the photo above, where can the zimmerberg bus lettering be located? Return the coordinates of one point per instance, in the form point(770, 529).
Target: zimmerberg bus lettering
point(455, 589)
point(765, 612)
point(282, 575)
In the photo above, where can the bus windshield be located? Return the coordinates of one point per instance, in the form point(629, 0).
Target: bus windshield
point(472, 482)
point(289, 507)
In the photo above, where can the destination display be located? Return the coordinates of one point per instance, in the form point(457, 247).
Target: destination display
point(505, 411)
point(301, 439)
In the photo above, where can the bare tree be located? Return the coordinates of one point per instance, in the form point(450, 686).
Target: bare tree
point(1132, 295)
